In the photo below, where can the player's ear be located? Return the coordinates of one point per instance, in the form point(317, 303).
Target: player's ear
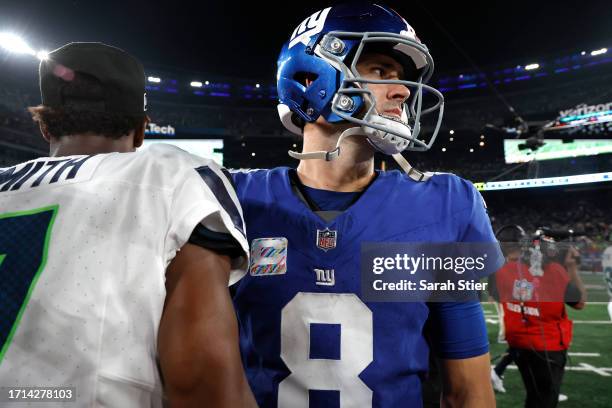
point(139, 133)
point(36, 112)
point(43, 131)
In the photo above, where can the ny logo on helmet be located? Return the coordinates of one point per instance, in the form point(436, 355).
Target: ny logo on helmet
point(309, 27)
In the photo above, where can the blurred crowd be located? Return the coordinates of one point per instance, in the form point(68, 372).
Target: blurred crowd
point(249, 129)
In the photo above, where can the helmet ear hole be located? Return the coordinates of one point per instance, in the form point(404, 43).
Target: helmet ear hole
point(305, 78)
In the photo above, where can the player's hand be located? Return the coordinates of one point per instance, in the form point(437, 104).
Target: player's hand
point(571, 257)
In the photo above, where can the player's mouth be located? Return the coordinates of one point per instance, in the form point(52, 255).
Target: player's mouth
point(393, 112)
point(394, 116)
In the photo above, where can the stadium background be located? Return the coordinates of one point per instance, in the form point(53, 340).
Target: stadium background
point(240, 111)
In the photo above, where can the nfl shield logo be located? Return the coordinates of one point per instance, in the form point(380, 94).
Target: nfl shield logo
point(326, 239)
point(522, 290)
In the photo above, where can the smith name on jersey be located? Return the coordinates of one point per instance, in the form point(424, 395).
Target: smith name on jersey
point(84, 245)
point(307, 339)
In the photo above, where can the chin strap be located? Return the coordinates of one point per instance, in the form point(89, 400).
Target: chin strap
point(413, 173)
point(331, 155)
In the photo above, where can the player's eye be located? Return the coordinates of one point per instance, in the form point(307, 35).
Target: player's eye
point(378, 71)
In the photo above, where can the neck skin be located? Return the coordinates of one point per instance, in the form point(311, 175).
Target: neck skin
point(352, 171)
point(90, 144)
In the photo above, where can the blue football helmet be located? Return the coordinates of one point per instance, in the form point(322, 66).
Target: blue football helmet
point(326, 48)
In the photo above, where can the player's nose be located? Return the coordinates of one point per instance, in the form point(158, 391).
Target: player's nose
point(398, 92)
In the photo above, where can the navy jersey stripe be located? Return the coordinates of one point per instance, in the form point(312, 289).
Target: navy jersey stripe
point(216, 185)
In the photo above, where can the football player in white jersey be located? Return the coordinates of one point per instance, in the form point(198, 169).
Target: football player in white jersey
point(114, 264)
point(606, 263)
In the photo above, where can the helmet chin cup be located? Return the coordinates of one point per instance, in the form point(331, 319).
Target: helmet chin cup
point(394, 139)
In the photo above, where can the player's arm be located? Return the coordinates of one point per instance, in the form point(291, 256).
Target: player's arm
point(467, 382)
point(198, 334)
point(576, 294)
point(459, 339)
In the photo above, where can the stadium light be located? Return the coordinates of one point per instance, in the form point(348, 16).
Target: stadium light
point(155, 80)
point(207, 83)
point(482, 136)
point(257, 85)
point(451, 139)
point(42, 55)
point(444, 149)
point(16, 44)
point(583, 53)
point(253, 154)
point(471, 150)
point(482, 144)
point(452, 132)
point(196, 84)
point(599, 52)
point(530, 67)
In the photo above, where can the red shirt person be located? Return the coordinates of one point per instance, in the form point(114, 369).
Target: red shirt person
point(533, 297)
point(534, 309)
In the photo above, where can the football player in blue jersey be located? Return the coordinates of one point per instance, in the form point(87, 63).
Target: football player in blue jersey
point(351, 80)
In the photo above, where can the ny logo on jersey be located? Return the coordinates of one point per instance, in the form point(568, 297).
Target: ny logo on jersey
point(325, 277)
point(309, 27)
point(326, 239)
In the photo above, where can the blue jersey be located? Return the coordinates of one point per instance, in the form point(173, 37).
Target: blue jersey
point(306, 337)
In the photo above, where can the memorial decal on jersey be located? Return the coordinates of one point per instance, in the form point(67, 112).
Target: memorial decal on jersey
point(326, 239)
point(268, 256)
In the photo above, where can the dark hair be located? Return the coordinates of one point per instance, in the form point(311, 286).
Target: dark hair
point(83, 111)
point(512, 238)
point(64, 121)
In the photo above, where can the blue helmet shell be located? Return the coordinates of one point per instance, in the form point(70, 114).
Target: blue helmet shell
point(298, 59)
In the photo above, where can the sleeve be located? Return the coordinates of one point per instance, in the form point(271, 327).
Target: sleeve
point(504, 280)
point(205, 197)
point(564, 290)
point(572, 294)
point(221, 242)
point(457, 330)
point(477, 228)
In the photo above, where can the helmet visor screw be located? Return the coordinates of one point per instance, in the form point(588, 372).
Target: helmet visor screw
point(345, 103)
point(336, 46)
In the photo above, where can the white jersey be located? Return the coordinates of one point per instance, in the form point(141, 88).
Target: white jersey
point(606, 263)
point(84, 245)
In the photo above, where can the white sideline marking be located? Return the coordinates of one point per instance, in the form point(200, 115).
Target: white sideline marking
point(577, 354)
point(496, 321)
point(602, 371)
point(593, 321)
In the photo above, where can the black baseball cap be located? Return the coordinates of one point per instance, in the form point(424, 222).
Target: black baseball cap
point(118, 77)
